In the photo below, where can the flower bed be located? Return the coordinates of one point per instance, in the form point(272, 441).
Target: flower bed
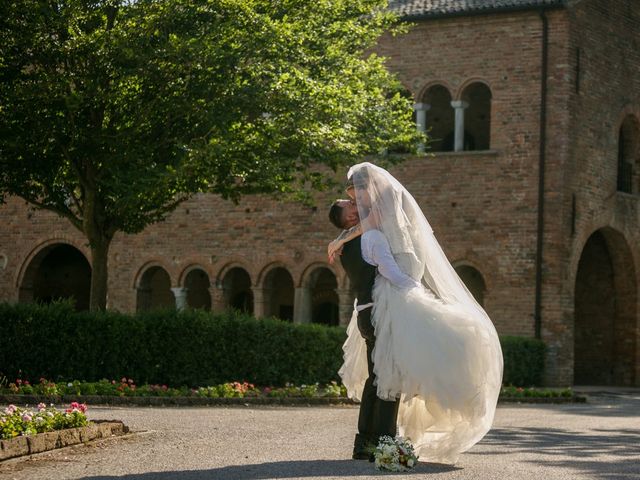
point(16, 421)
point(109, 391)
point(126, 387)
point(25, 431)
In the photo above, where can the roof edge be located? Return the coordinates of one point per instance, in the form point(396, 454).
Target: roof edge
point(480, 12)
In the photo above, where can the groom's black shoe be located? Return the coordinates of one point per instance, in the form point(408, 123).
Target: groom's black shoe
point(361, 455)
point(363, 448)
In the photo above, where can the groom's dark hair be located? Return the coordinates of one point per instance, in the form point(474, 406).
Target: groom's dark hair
point(335, 214)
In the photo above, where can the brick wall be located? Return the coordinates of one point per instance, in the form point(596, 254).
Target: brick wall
point(482, 205)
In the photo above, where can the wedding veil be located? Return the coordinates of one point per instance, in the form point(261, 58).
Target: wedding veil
point(384, 204)
point(435, 347)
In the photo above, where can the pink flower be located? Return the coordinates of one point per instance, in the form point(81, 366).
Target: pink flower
point(130, 381)
point(42, 406)
point(10, 409)
point(26, 417)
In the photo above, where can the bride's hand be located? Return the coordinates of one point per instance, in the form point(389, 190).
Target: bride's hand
point(334, 250)
point(335, 247)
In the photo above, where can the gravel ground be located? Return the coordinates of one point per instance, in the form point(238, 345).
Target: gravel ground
point(597, 440)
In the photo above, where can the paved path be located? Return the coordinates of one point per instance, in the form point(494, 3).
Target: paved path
point(598, 440)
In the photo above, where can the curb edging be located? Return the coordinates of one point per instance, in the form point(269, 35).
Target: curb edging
point(43, 442)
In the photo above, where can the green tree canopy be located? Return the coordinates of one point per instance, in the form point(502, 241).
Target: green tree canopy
point(112, 112)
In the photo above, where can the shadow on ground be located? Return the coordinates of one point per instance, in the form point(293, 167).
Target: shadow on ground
point(601, 453)
point(293, 469)
point(600, 404)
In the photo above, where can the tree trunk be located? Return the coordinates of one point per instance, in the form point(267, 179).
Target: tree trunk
point(99, 274)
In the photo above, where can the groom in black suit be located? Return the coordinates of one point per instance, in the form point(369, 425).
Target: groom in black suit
point(377, 417)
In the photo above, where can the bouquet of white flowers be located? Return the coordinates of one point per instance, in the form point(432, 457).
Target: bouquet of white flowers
point(394, 454)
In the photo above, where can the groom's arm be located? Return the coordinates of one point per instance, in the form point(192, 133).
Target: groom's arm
point(376, 251)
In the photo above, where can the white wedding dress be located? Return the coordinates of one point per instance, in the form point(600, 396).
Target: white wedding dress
point(435, 349)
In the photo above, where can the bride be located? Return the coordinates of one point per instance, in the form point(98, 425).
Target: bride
point(436, 349)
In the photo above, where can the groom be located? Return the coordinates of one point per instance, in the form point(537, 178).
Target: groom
point(377, 417)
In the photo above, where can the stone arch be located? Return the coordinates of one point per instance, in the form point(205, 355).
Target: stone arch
point(278, 291)
point(236, 289)
point(153, 284)
point(628, 170)
point(320, 287)
point(440, 117)
point(196, 281)
point(477, 116)
point(56, 270)
point(605, 311)
point(473, 280)
point(236, 263)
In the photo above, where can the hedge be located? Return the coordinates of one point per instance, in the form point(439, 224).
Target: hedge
point(191, 348)
point(523, 361)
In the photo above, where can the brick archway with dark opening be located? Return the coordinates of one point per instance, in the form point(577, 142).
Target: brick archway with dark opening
point(58, 271)
point(605, 312)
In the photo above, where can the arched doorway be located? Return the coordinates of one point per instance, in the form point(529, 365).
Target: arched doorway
point(197, 284)
point(324, 297)
point(59, 271)
point(474, 282)
point(154, 291)
point(237, 290)
point(605, 312)
point(279, 294)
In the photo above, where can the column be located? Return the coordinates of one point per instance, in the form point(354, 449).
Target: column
point(421, 120)
point(260, 297)
point(345, 305)
point(218, 298)
point(302, 305)
point(180, 294)
point(460, 107)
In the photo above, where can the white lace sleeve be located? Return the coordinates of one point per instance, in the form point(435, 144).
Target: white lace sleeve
point(376, 251)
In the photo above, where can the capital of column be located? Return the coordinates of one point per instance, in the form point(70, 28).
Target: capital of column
point(459, 104)
point(421, 107)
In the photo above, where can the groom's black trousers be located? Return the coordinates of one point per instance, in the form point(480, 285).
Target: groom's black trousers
point(377, 417)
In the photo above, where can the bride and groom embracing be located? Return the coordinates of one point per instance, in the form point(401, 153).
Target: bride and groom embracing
point(421, 355)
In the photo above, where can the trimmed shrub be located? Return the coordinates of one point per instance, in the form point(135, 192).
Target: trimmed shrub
point(523, 361)
point(192, 348)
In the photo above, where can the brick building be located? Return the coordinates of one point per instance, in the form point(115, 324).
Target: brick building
point(515, 94)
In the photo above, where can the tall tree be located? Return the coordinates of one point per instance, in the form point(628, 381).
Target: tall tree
point(112, 112)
